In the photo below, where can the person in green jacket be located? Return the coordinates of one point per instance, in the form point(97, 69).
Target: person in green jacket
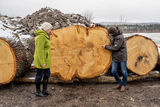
point(42, 58)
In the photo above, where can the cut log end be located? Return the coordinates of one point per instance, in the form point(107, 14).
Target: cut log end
point(142, 54)
point(77, 52)
point(15, 59)
point(7, 62)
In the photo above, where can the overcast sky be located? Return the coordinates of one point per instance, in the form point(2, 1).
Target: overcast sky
point(103, 10)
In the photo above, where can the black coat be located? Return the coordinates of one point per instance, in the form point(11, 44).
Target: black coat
point(118, 46)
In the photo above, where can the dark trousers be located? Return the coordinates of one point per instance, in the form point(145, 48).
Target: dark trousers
point(123, 66)
point(45, 73)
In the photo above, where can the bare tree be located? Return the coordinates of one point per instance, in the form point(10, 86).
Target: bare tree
point(88, 14)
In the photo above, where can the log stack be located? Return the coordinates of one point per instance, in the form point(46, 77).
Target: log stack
point(77, 52)
point(142, 54)
point(15, 59)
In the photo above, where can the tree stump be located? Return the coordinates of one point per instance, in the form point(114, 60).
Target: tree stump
point(14, 59)
point(77, 52)
point(142, 54)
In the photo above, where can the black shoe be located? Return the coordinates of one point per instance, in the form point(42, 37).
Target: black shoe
point(46, 93)
point(39, 94)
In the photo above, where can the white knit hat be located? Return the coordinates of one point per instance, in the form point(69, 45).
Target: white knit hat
point(46, 26)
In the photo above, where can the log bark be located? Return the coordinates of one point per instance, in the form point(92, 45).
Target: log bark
point(15, 59)
point(142, 54)
point(99, 79)
point(158, 64)
point(77, 52)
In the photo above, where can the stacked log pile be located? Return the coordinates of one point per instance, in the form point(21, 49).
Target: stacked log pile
point(77, 52)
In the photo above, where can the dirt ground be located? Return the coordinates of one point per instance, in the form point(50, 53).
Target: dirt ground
point(144, 93)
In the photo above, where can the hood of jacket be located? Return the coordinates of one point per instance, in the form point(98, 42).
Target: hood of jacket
point(41, 32)
point(118, 32)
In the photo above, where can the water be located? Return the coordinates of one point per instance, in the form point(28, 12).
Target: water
point(154, 36)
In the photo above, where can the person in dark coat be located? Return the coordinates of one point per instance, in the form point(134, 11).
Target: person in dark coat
point(119, 55)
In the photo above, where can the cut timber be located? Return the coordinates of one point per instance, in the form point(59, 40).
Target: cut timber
point(14, 59)
point(77, 52)
point(142, 54)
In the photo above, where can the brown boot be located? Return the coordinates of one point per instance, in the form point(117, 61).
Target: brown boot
point(123, 88)
point(117, 86)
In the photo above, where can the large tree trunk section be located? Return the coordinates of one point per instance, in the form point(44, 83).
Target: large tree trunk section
point(77, 52)
point(14, 59)
point(142, 54)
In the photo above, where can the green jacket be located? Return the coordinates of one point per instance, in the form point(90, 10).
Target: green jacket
point(42, 54)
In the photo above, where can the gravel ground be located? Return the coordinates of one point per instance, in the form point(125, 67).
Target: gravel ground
point(144, 93)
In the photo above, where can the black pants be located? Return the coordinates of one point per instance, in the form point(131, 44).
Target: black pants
point(45, 73)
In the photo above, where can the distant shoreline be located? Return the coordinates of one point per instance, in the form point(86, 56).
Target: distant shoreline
point(137, 27)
